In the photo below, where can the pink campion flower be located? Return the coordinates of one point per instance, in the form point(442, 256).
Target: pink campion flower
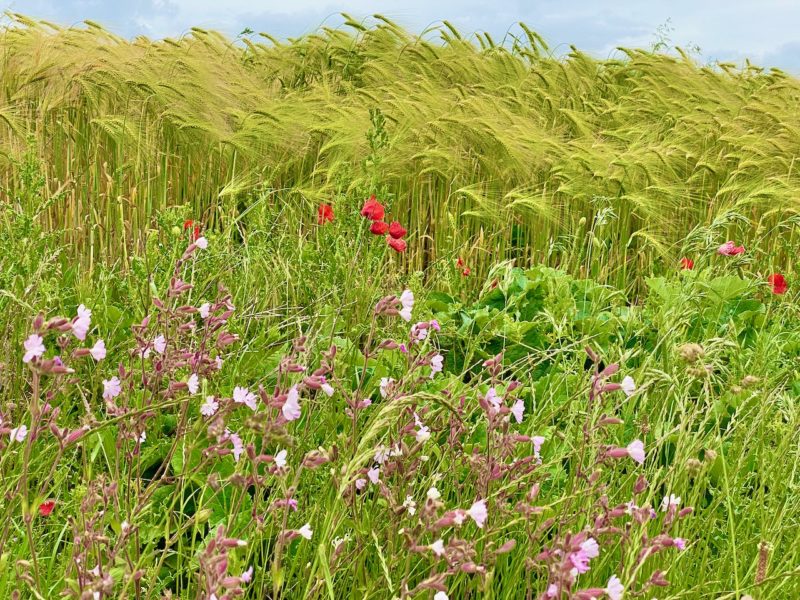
point(729, 248)
point(18, 434)
point(201, 243)
point(436, 365)
point(423, 433)
point(193, 383)
point(438, 547)
point(614, 588)
point(407, 302)
point(34, 348)
point(386, 383)
point(238, 446)
point(209, 407)
point(111, 388)
point(98, 351)
point(628, 386)
point(670, 501)
point(160, 344)
point(218, 361)
point(374, 474)
point(538, 441)
point(381, 454)
point(306, 531)
point(410, 505)
point(280, 459)
point(493, 398)
point(361, 483)
point(435, 325)
point(636, 451)
point(418, 334)
point(552, 590)
point(478, 513)
point(587, 551)
point(680, 544)
point(244, 396)
point(440, 596)
point(291, 408)
point(326, 387)
point(247, 576)
point(82, 323)
point(518, 410)
point(204, 310)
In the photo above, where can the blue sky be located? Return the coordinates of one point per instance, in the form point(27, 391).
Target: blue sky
point(766, 31)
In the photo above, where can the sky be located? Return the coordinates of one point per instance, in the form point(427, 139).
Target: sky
point(765, 31)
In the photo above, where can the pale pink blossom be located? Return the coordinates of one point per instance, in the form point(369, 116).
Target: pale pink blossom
point(291, 408)
point(247, 576)
point(433, 494)
point(410, 505)
point(493, 398)
point(670, 501)
point(614, 588)
point(111, 388)
point(478, 513)
point(435, 325)
point(440, 596)
point(518, 410)
point(218, 362)
point(538, 441)
point(204, 310)
point(361, 483)
point(82, 323)
point(374, 474)
point(636, 451)
point(305, 531)
point(628, 386)
point(238, 446)
point(209, 407)
point(407, 302)
point(34, 348)
point(552, 590)
point(436, 364)
point(98, 351)
point(438, 547)
point(680, 544)
point(587, 551)
point(280, 459)
point(386, 383)
point(326, 387)
point(419, 332)
point(193, 383)
point(201, 243)
point(244, 396)
point(160, 344)
point(18, 434)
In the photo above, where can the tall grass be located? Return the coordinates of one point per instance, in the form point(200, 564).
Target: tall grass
point(533, 151)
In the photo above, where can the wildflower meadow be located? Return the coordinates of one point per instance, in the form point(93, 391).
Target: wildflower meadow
point(366, 314)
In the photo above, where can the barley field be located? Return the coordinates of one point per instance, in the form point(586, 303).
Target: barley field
point(369, 314)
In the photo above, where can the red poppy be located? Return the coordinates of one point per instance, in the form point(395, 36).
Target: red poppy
point(466, 272)
point(195, 233)
point(397, 245)
point(778, 283)
point(459, 262)
point(687, 264)
point(324, 213)
point(46, 507)
point(379, 227)
point(396, 230)
point(372, 209)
